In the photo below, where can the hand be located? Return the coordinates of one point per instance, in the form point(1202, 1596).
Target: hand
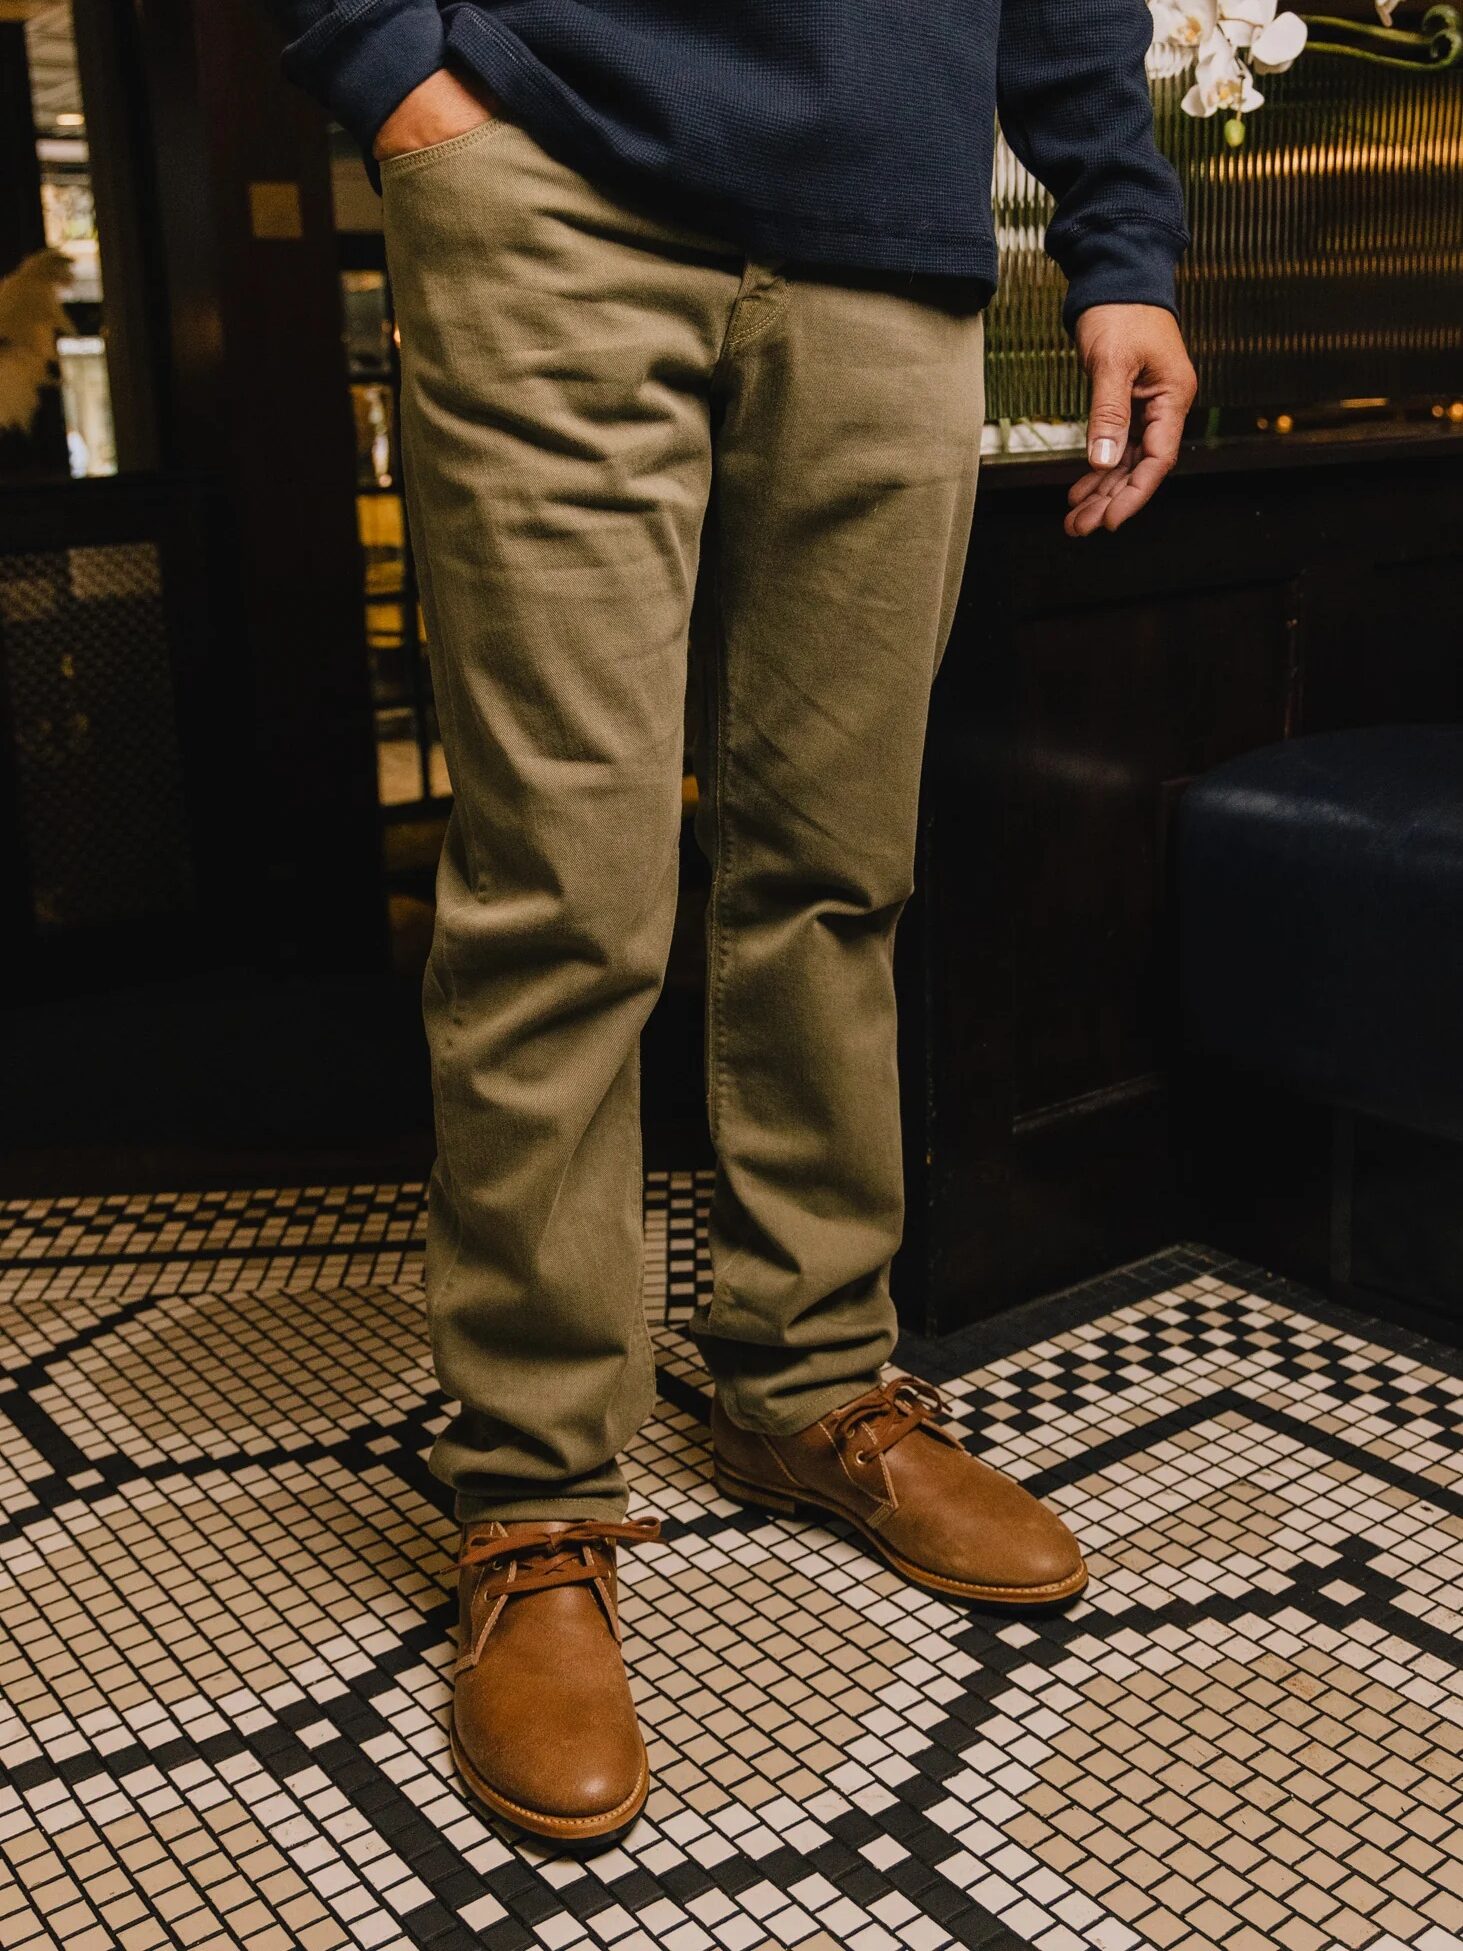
point(1131, 353)
point(437, 109)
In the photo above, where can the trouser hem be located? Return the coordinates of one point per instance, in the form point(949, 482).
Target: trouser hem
point(805, 1409)
point(474, 1508)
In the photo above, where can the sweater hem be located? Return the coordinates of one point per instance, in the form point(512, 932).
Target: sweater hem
point(533, 95)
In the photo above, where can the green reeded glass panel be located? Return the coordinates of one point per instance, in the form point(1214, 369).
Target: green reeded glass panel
point(1327, 261)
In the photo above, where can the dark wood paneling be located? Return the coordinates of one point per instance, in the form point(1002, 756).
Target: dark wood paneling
point(1115, 708)
point(1375, 631)
point(257, 400)
point(1086, 681)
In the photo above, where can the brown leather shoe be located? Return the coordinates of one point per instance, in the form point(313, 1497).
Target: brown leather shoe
point(940, 1516)
point(543, 1725)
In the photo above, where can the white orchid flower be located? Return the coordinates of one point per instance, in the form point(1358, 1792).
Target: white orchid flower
point(1180, 28)
point(1242, 20)
point(1222, 81)
point(1273, 50)
point(1222, 40)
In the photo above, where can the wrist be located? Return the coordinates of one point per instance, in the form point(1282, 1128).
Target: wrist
point(437, 109)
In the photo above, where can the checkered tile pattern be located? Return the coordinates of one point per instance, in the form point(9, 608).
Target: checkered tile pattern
point(226, 1617)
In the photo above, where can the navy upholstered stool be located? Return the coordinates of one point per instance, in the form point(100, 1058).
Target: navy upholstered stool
point(1320, 901)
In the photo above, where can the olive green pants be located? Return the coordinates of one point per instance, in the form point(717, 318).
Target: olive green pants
point(605, 413)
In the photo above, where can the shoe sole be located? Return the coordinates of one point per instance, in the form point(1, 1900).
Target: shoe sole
point(1005, 1598)
point(569, 1832)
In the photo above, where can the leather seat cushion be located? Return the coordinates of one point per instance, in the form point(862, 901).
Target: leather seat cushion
point(1320, 896)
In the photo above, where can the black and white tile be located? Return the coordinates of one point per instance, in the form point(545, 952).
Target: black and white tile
point(226, 1616)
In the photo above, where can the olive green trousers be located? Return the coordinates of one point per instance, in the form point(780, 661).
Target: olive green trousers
point(605, 414)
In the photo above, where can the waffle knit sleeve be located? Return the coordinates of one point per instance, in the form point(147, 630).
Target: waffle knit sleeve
point(360, 58)
point(1073, 103)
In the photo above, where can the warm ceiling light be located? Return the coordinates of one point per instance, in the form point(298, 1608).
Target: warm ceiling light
point(71, 121)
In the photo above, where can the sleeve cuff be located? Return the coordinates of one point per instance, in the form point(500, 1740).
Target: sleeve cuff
point(1130, 263)
point(364, 68)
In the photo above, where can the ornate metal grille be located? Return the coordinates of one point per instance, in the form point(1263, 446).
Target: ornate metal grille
point(95, 755)
point(1327, 260)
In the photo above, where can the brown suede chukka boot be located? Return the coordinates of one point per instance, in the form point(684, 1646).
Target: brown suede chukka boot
point(940, 1516)
point(544, 1730)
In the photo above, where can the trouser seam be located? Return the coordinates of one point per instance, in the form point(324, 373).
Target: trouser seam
point(721, 843)
point(721, 849)
point(440, 965)
point(647, 1346)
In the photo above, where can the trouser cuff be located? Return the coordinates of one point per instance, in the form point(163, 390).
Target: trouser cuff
point(475, 1508)
point(788, 1416)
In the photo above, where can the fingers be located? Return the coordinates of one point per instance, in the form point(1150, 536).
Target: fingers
point(1119, 494)
point(1110, 496)
point(1096, 510)
point(1103, 480)
point(1163, 423)
point(1115, 494)
point(1131, 353)
point(1109, 410)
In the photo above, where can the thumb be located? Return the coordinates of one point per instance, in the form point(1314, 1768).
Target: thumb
point(1107, 416)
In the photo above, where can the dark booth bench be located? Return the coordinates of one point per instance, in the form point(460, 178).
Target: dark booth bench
point(1320, 918)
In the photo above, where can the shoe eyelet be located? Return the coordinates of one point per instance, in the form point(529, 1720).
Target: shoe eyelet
point(860, 1456)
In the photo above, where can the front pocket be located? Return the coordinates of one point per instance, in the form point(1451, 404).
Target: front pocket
point(410, 159)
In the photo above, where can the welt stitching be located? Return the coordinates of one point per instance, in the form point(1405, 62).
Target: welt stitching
point(728, 337)
point(774, 314)
point(411, 159)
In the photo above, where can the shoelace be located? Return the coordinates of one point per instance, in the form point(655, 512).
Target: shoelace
point(889, 1413)
point(532, 1559)
point(539, 1557)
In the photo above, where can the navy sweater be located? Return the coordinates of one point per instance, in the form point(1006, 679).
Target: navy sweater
point(840, 132)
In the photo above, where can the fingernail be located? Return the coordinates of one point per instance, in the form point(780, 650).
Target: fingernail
point(1104, 453)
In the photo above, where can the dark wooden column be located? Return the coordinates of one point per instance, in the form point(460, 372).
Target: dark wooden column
point(42, 451)
point(112, 94)
point(255, 405)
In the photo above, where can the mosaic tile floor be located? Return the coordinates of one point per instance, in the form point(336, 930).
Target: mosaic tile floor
point(225, 1615)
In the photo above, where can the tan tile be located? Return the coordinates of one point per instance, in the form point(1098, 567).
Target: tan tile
point(1350, 1928)
point(1399, 1922)
point(1274, 1877)
point(1059, 1853)
point(1128, 1901)
point(1224, 1887)
point(1295, 1934)
point(1245, 1939)
point(1263, 1911)
point(1088, 1874)
point(1446, 1909)
point(1210, 1919)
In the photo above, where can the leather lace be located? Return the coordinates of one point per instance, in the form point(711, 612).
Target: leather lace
point(534, 1557)
point(887, 1414)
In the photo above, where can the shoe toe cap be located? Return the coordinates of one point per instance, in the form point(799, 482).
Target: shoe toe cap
point(1046, 1554)
point(566, 1772)
point(991, 1535)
